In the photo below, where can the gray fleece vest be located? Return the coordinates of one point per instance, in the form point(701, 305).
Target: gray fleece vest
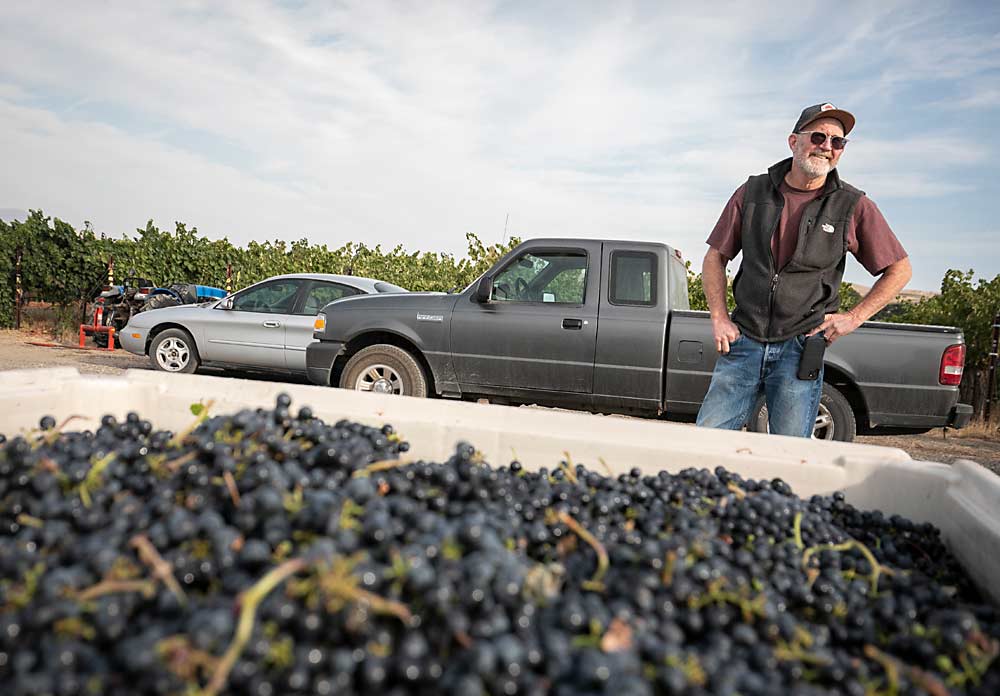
point(774, 305)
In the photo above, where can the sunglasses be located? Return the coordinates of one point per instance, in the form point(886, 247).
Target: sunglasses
point(837, 142)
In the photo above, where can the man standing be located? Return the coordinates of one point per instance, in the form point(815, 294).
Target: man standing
point(794, 225)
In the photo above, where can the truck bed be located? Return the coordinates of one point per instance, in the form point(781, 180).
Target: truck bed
point(889, 372)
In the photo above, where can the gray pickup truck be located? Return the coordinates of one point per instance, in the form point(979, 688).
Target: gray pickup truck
point(605, 326)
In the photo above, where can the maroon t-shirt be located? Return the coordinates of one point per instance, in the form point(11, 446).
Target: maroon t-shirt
point(869, 238)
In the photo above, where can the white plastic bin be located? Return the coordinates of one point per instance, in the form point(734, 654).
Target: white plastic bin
point(963, 499)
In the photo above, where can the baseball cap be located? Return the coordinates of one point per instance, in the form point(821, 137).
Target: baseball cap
point(818, 111)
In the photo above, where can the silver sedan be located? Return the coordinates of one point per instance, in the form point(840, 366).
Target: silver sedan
point(266, 326)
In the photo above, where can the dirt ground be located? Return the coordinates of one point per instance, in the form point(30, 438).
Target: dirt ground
point(37, 349)
point(21, 350)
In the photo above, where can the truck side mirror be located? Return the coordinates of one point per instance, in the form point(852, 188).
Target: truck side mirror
point(484, 291)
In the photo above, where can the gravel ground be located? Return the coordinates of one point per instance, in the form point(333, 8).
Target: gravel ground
point(20, 350)
point(26, 349)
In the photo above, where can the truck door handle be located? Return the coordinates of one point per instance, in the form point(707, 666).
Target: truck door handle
point(271, 324)
point(574, 324)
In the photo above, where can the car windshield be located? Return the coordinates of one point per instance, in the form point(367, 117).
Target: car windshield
point(388, 287)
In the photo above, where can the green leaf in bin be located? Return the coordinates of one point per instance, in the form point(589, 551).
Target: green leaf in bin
point(198, 408)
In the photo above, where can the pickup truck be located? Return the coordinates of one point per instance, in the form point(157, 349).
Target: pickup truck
point(606, 326)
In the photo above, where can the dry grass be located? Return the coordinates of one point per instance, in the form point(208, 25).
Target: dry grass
point(56, 323)
point(980, 428)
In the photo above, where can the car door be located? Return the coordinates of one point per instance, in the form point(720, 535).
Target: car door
point(299, 326)
point(540, 329)
point(252, 332)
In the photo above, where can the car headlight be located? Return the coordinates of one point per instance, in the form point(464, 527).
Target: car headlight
point(319, 324)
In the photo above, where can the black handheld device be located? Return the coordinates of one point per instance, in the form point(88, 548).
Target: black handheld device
point(812, 357)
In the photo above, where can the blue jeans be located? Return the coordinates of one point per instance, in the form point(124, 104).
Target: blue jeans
point(751, 367)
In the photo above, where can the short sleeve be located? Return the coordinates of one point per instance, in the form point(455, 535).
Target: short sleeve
point(726, 237)
point(871, 240)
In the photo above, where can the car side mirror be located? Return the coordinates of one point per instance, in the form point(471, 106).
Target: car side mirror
point(484, 291)
point(225, 304)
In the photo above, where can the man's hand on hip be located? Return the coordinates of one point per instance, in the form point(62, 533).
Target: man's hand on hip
point(725, 333)
point(837, 325)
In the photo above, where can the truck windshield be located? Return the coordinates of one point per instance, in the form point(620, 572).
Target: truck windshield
point(543, 276)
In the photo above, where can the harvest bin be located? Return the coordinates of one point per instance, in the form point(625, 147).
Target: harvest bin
point(963, 499)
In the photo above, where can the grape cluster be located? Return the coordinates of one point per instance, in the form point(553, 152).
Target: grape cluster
point(267, 552)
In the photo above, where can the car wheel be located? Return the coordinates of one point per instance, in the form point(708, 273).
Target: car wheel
point(834, 421)
point(384, 369)
point(174, 350)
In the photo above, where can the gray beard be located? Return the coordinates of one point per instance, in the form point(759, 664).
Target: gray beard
point(812, 166)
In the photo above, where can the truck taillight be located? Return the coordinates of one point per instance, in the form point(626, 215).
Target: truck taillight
point(952, 365)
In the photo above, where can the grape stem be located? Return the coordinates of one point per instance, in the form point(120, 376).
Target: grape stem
point(607, 468)
point(381, 465)
point(595, 583)
point(177, 439)
point(890, 666)
point(250, 600)
point(337, 582)
point(566, 466)
point(234, 492)
point(161, 569)
point(51, 436)
point(877, 568)
point(798, 530)
point(28, 521)
point(146, 587)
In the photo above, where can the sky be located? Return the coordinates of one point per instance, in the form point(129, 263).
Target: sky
point(415, 123)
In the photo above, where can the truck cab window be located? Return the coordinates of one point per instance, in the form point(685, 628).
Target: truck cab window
point(541, 276)
point(633, 278)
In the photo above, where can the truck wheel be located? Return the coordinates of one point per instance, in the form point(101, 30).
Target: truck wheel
point(834, 421)
point(159, 301)
point(173, 350)
point(384, 369)
point(101, 340)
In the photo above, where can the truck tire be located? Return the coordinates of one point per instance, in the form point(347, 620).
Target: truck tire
point(384, 369)
point(173, 350)
point(160, 301)
point(100, 338)
point(835, 420)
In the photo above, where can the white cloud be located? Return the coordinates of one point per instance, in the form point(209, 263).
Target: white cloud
point(418, 122)
point(979, 97)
